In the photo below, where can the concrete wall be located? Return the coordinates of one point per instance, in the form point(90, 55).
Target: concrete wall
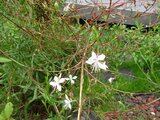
point(127, 11)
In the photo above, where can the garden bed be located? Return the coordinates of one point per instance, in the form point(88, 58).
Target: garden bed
point(143, 106)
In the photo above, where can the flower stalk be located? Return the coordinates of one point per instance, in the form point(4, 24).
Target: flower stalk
point(81, 87)
point(57, 111)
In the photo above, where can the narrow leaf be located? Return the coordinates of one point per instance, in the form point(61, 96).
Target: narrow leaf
point(4, 60)
point(8, 109)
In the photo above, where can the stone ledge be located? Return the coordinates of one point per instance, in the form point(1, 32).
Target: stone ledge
point(128, 13)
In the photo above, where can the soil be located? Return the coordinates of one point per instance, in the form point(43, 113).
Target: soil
point(125, 72)
point(86, 115)
point(142, 107)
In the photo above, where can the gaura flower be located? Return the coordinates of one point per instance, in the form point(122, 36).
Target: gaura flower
point(71, 79)
point(97, 62)
point(67, 103)
point(57, 82)
point(69, 7)
point(66, 8)
point(111, 79)
point(153, 113)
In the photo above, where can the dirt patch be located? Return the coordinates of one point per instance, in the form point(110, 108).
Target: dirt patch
point(142, 107)
point(124, 72)
point(86, 115)
point(127, 73)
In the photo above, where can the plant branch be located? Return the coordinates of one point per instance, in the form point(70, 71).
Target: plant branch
point(81, 86)
point(57, 111)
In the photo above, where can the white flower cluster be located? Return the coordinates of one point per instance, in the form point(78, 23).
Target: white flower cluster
point(57, 85)
point(97, 62)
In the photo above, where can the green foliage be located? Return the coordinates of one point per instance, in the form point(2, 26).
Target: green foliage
point(8, 110)
point(4, 60)
point(22, 1)
point(37, 43)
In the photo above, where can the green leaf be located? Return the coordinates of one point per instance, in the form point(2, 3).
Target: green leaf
point(56, 6)
point(1, 74)
point(2, 117)
point(4, 60)
point(12, 119)
point(22, 1)
point(34, 96)
point(8, 109)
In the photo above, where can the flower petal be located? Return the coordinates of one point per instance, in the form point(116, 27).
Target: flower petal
point(90, 61)
point(61, 80)
point(102, 65)
point(69, 106)
point(56, 78)
point(72, 81)
point(59, 87)
point(66, 78)
point(66, 8)
point(75, 77)
point(60, 75)
point(94, 56)
point(67, 98)
point(54, 84)
point(111, 79)
point(70, 76)
point(95, 67)
point(101, 57)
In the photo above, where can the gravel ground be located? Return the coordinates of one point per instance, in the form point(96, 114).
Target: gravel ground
point(143, 107)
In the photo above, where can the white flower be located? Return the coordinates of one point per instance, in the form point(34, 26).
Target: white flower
point(69, 7)
point(96, 62)
point(153, 113)
point(67, 103)
point(57, 81)
point(66, 8)
point(71, 79)
point(111, 79)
